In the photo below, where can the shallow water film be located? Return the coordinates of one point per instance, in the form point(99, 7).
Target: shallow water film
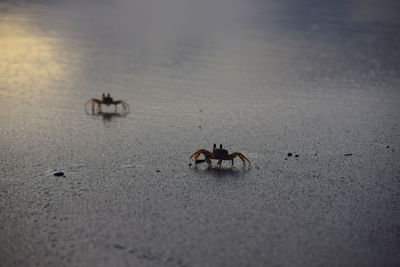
point(308, 91)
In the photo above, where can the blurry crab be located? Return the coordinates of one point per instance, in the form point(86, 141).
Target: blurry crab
point(218, 153)
point(95, 104)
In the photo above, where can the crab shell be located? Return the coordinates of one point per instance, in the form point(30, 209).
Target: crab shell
point(108, 101)
point(221, 154)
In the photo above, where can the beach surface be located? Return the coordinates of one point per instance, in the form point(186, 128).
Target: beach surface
point(316, 79)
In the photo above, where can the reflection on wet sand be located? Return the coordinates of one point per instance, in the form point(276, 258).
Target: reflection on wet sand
point(220, 172)
point(107, 117)
point(28, 58)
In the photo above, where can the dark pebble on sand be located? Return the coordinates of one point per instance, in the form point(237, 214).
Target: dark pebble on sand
point(58, 174)
point(289, 154)
point(285, 158)
point(348, 154)
point(296, 156)
point(387, 146)
point(158, 171)
point(119, 247)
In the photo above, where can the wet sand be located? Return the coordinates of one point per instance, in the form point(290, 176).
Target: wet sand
point(265, 79)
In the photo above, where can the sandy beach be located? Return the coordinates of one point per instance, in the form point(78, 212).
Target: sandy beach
point(264, 78)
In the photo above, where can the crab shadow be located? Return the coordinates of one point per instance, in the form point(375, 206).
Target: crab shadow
point(222, 173)
point(107, 116)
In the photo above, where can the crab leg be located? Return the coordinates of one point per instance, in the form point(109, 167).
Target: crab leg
point(207, 156)
point(208, 160)
point(93, 102)
point(125, 106)
point(197, 154)
point(241, 156)
point(219, 163)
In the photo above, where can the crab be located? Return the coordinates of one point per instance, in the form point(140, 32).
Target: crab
point(95, 104)
point(217, 153)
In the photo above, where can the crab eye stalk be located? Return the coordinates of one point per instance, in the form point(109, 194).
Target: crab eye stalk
point(220, 146)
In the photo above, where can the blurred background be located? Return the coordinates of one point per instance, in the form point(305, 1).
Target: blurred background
point(263, 77)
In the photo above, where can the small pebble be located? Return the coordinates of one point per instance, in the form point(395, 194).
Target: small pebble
point(387, 146)
point(289, 154)
point(285, 158)
point(58, 174)
point(190, 164)
point(158, 171)
point(296, 156)
point(119, 246)
point(348, 154)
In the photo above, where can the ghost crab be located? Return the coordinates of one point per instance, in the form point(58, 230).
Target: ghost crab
point(95, 104)
point(217, 153)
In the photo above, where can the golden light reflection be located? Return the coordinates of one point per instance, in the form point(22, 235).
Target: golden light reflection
point(28, 58)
